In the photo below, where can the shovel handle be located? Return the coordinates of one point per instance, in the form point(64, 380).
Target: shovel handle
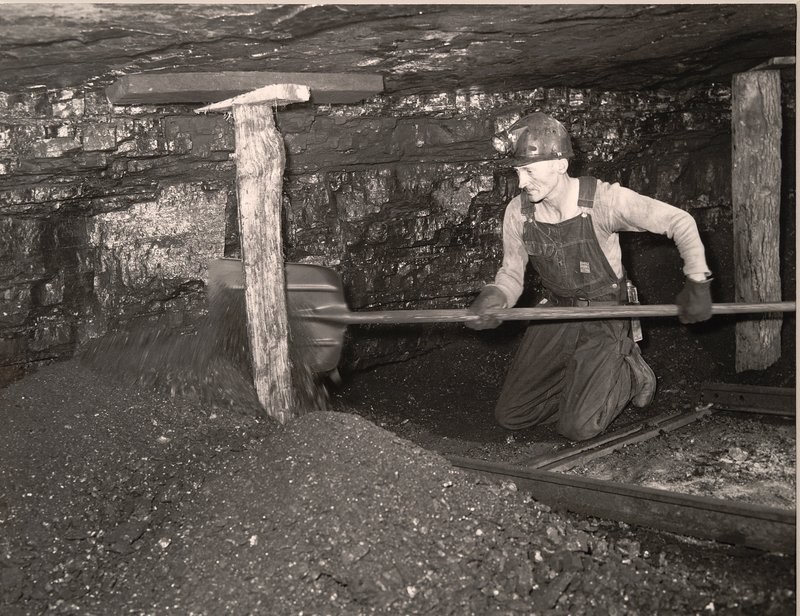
point(336, 314)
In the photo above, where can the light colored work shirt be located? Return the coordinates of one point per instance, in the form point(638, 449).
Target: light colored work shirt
point(615, 209)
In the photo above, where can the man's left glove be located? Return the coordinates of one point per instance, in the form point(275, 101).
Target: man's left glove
point(694, 301)
point(490, 298)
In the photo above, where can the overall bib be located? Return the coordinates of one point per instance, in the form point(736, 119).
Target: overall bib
point(572, 372)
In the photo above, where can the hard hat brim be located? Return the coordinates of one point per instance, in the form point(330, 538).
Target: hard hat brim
point(521, 162)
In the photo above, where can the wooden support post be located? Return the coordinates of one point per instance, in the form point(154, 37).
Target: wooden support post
point(756, 195)
point(260, 161)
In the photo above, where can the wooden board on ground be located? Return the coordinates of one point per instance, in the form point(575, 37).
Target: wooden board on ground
point(755, 526)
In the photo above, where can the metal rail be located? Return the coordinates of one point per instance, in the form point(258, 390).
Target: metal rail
point(717, 397)
point(751, 398)
point(603, 445)
point(764, 528)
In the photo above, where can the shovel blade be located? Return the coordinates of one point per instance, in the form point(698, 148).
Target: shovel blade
point(309, 289)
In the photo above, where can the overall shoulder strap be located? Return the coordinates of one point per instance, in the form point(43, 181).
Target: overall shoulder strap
point(587, 186)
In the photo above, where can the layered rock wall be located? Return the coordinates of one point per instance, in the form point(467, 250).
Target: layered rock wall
point(109, 214)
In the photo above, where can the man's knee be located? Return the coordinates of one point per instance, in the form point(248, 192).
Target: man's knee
point(577, 432)
point(505, 419)
point(519, 417)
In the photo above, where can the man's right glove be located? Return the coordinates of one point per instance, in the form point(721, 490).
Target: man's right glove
point(490, 298)
point(694, 301)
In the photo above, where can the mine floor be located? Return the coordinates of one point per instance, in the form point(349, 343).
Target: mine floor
point(435, 401)
point(115, 498)
point(118, 499)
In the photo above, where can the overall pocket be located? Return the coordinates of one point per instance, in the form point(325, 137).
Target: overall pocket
point(540, 250)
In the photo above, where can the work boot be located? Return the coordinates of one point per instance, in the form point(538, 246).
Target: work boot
point(644, 379)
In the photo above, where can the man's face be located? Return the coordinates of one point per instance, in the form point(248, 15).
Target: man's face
point(539, 179)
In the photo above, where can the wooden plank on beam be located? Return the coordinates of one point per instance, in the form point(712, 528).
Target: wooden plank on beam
point(274, 95)
point(166, 88)
point(776, 63)
point(756, 195)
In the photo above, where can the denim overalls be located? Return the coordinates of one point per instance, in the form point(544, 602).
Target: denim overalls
point(572, 372)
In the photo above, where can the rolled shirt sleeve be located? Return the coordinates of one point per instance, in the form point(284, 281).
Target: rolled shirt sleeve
point(630, 211)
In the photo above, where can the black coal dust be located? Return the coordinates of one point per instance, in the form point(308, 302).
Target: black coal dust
point(207, 363)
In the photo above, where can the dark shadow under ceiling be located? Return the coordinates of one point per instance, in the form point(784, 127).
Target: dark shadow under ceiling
point(417, 48)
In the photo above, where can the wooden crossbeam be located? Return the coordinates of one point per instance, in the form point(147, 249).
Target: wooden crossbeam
point(166, 88)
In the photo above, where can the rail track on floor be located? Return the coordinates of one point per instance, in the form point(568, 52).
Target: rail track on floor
point(756, 526)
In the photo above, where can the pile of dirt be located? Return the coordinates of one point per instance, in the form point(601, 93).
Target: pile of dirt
point(116, 500)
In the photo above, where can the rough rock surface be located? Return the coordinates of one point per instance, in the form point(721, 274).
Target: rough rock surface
point(402, 196)
point(419, 48)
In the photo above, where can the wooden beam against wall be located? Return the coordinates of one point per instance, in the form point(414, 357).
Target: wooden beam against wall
point(170, 88)
point(756, 195)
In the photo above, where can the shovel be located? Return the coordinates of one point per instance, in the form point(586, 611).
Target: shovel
point(317, 307)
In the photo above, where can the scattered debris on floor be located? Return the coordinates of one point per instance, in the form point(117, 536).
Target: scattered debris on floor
point(728, 456)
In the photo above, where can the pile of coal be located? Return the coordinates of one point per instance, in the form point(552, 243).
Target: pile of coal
point(333, 515)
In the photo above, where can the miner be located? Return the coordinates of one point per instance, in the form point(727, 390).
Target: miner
point(580, 374)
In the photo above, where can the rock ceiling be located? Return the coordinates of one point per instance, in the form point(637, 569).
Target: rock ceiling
point(417, 48)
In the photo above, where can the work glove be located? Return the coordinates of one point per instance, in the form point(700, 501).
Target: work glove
point(694, 301)
point(489, 299)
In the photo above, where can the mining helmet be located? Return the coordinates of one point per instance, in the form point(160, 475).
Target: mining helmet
point(533, 138)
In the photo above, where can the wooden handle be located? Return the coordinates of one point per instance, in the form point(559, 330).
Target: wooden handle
point(532, 314)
